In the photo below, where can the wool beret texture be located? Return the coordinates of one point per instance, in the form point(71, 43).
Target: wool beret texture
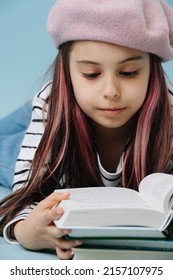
point(146, 25)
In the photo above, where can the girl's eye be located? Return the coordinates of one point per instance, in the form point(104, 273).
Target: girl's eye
point(129, 74)
point(90, 76)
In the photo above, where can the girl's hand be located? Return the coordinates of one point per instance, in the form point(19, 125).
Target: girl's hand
point(38, 231)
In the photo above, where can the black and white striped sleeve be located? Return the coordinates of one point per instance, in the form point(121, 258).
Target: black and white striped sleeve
point(31, 140)
point(29, 146)
point(8, 231)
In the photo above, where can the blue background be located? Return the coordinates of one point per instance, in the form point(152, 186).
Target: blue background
point(26, 50)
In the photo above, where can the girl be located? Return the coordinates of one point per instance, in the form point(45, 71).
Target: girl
point(105, 119)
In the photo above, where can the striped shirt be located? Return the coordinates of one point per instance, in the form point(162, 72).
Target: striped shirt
point(29, 146)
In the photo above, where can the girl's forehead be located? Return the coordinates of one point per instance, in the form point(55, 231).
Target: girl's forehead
point(93, 50)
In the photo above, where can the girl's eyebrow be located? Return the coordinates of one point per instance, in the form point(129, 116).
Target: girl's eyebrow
point(88, 62)
point(131, 58)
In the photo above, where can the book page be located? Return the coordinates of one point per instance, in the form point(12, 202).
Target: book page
point(106, 197)
point(157, 189)
point(107, 206)
point(115, 232)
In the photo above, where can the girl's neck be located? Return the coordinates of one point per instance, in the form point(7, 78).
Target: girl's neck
point(110, 144)
point(111, 135)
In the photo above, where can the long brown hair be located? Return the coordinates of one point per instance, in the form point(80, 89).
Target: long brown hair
point(66, 155)
point(150, 148)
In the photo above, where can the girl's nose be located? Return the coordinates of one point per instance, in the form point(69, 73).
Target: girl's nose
point(113, 95)
point(112, 90)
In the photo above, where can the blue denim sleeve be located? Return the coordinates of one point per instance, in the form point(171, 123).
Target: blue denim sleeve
point(12, 131)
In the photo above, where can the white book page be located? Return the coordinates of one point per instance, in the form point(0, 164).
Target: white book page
point(157, 189)
point(117, 231)
point(86, 200)
point(124, 201)
point(104, 197)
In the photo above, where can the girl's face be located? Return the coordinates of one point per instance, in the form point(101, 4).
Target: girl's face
point(109, 81)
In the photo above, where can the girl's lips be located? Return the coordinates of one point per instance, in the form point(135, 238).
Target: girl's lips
point(112, 111)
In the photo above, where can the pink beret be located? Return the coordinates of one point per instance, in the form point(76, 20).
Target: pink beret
point(146, 25)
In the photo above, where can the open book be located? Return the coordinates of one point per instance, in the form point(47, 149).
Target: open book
point(149, 210)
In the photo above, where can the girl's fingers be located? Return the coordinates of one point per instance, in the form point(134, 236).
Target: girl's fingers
point(55, 233)
point(49, 211)
point(49, 215)
point(64, 249)
point(65, 254)
point(64, 244)
point(52, 200)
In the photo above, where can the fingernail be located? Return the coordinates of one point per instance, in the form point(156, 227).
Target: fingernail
point(78, 242)
point(67, 231)
point(72, 253)
point(59, 211)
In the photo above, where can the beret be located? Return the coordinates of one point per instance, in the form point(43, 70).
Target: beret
point(146, 25)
